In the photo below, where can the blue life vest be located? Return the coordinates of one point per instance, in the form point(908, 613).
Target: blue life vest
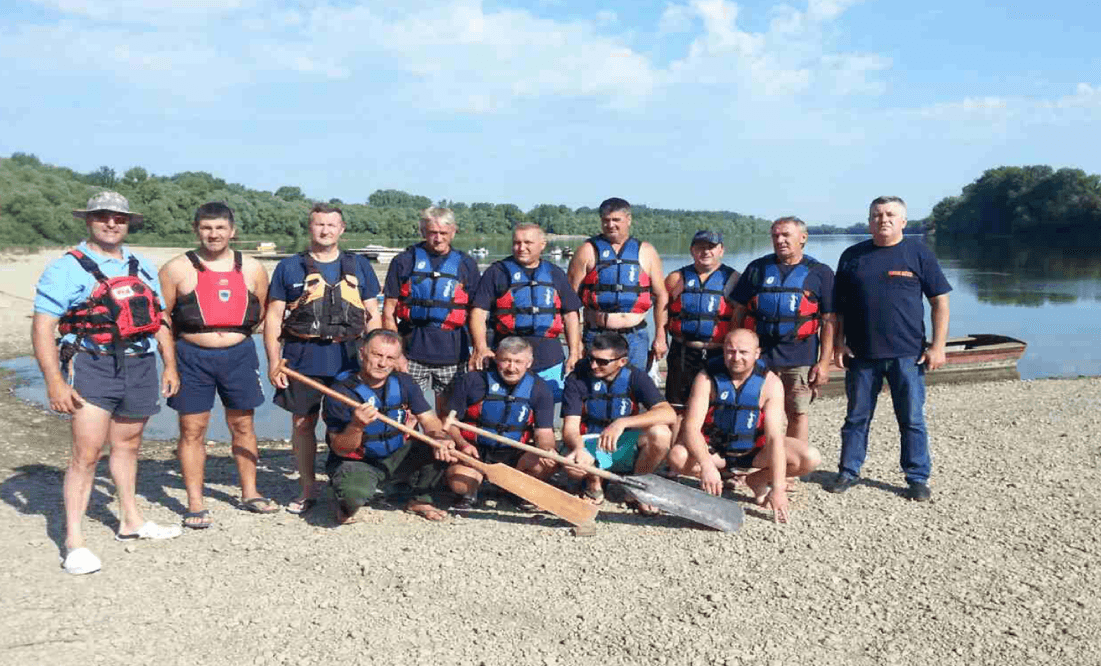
point(735, 422)
point(434, 297)
point(379, 440)
point(531, 307)
point(606, 403)
point(701, 313)
point(616, 283)
point(505, 412)
point(783, 310)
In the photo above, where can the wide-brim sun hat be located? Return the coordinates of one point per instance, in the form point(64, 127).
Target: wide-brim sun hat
point(114, 202)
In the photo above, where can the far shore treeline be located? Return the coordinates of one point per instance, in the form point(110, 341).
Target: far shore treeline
point(36, 201)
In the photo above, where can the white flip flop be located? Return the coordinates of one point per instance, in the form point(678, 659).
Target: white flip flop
point(151, 530)
point(81, 561)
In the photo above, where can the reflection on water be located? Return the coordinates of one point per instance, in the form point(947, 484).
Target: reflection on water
point(1006, 271)
point(1043, 295)
point(271, 422)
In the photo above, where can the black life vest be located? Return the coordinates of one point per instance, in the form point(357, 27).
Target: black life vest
point(324, 311)
point(532, 306)
point(617, 283)
point(221, 301)
point(783, 310)
point(434, 296)
point(379, 440)
point(120, 310)
point(701, 313)
point(505, 410)
point(607, 402)
point(733, 424)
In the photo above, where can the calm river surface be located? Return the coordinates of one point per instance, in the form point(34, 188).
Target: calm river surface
point(1047, 297)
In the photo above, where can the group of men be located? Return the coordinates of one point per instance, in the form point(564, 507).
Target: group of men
point(747, 355)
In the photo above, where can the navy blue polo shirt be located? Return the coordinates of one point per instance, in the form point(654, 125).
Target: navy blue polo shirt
point(319, 358)
point(878, 291)
point(579, 383)
point(495, 283)
point(429, 344)
point(337, 415)
point(788, 353)
point(472, 390)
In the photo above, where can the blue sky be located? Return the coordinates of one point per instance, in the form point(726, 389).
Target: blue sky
point(811, 108)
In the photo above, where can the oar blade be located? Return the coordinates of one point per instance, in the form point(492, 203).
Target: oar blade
point(568, 507)
point(686, 502)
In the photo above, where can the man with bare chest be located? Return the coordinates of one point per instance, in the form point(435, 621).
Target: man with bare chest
point(215, 296)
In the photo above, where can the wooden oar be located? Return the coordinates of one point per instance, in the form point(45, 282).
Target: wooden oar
point(543, 495)
point(666, 494)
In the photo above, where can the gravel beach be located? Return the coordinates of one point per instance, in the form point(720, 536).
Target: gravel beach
point(1001, 568)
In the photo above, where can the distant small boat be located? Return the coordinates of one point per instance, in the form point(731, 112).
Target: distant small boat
point(377, 253)
point(479, 252)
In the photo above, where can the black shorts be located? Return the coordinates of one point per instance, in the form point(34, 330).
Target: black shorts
point(491, 455)
point(302, 400)
point(130, 391)
point(232, 372)
point(739, 460)
point(683, 364)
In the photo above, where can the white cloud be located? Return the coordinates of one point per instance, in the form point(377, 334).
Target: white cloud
point(1085, 96)
point(676, 18)
point(969, 107)
point(606, 17)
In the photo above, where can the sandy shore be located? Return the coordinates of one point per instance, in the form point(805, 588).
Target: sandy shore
point(1002, 568)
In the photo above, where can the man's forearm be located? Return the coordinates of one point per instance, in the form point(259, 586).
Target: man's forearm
point(476, 323)
point(939, 314)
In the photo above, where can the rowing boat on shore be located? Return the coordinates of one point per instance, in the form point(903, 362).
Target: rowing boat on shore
point(979, 357)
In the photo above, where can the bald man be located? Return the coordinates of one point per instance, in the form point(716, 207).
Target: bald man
point(745, 430)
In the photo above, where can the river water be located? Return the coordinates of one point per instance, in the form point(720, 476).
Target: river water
point(1045, 296)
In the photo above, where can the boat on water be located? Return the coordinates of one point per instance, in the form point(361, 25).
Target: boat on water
point(377, 253)
point(479, 252)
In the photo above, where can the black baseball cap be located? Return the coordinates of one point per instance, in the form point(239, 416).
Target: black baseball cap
point(705, 236)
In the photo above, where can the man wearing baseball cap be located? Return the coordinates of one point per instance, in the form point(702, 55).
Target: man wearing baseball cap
point(106, 303)
point(699, 315)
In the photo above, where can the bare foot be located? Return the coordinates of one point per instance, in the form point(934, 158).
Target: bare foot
point(426, 511)
point(760, 491)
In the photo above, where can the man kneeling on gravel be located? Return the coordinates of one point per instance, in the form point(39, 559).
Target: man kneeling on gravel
point(508, 400)
point(365, 453)
point(737, 407)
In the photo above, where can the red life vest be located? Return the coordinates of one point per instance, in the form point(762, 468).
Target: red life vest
point(701, 313)
point(783, 311)
point(221, 301)
point(434, 297)
point(120, 309)
point(616, 283)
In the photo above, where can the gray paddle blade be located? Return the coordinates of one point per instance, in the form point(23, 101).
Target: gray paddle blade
point(686, 502)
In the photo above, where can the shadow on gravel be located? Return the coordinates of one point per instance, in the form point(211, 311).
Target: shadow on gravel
point(36, 489)
point(826, 479)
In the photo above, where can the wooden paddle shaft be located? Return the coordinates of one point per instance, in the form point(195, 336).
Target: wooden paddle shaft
point(595, 471)
point(469, 461)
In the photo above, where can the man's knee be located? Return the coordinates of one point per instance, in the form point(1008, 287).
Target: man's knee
point(655, 440)
point(536, 466)
point(304, 423)
point(678, 459)
point(463, 480)
point(354, 488)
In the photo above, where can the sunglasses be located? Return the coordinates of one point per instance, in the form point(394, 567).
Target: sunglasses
point(603, 362)
point(104, 218)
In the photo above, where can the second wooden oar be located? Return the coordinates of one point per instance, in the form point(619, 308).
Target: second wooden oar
point(668, 495)
point(543, 495)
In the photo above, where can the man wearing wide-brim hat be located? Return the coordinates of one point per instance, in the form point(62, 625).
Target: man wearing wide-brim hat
point(106, 303)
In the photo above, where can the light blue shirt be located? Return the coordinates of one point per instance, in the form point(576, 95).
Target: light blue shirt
point(65, 284)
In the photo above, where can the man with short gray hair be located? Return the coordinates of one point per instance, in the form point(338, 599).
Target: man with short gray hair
point(509, 400)
point(427, 290)
point(787, 298)
point(881, 335)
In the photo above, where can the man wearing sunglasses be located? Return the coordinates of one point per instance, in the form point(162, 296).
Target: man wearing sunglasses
point(602, 397)
point(106, 302)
